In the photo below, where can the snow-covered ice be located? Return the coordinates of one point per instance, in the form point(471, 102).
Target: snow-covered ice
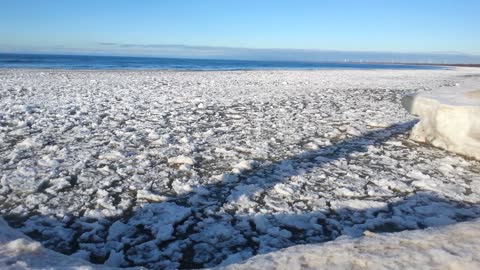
point(449, 117)
point(451, 247)
point(17, 251)
point(173, 170)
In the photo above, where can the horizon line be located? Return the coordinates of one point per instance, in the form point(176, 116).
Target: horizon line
point(182, 51)
point(248, 60)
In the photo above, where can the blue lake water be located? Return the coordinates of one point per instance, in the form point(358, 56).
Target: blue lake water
point(44, 61)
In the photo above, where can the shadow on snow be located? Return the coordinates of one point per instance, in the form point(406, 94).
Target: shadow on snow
point(209, 233)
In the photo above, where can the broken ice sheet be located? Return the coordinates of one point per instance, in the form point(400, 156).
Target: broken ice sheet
point(167, 170)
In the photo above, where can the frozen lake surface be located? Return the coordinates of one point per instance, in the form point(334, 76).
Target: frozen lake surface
point(197, 169)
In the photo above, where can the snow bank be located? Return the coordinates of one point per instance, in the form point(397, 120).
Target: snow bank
point(452, 247)
point(449, 117)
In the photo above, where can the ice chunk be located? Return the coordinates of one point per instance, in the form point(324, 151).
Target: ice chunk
point(181, 160)
point(115, 259)
point(353, 131)
point(149, 196)
point(243, 165)
point(113, 156)
point(29, 143)
point(160, 218)
point(116, 230)
point(449, 118)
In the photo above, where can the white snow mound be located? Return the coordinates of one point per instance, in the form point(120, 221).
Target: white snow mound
point(449, 117)
point(451, 247)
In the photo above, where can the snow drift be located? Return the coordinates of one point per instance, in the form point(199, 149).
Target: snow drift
point(452, 247)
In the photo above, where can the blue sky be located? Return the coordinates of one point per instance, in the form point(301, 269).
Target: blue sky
point(224, 28)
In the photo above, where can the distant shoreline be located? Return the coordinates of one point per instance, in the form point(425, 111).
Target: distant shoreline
point(420, 64)
point(442, 65)
point(459, 65)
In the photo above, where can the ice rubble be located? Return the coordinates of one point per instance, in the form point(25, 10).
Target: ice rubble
point(449, 117)
point(173, 170)
point(452, 247)
point(17, 251)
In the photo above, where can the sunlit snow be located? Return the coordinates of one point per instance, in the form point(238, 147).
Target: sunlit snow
point(198, 169)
